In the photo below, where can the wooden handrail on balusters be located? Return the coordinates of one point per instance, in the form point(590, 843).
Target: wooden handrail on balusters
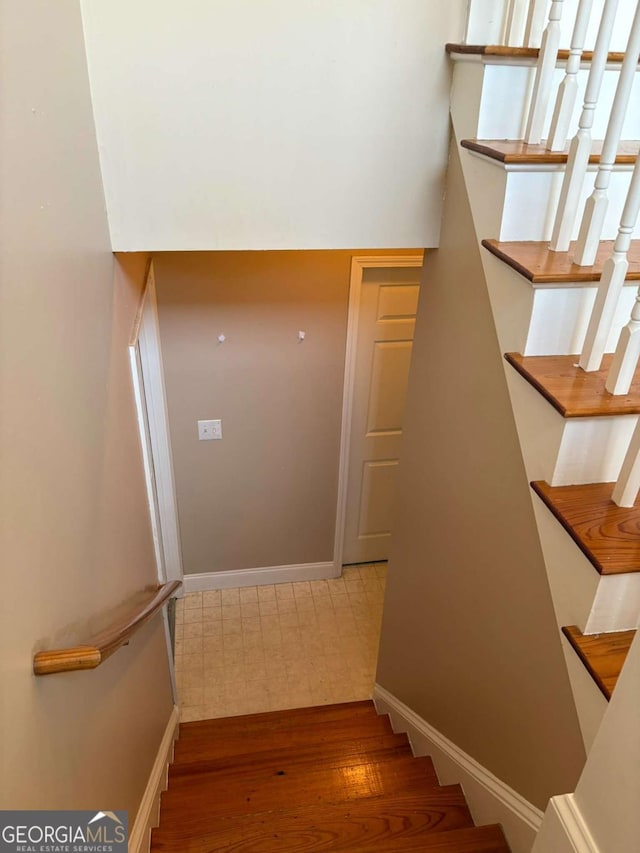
point(100, 647)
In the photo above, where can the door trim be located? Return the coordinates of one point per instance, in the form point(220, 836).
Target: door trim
point(148, 383)
point(358, 265)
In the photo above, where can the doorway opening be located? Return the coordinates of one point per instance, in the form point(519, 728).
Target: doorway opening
point(383, 303)
point(255, 343)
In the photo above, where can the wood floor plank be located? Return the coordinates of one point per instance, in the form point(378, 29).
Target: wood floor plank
point(607, 534)
point(264, 792)
point(221, 745)
point(320, 827)
point(518, 152)
point(573, 392)
point(539, 265)
point(602, 654)
point(521, 52)
point(345, 751)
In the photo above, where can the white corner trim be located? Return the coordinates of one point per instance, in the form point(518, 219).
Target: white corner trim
point(145, 355)
point(204, 581)
point(573, 825)
point(489, 798)
point(149, 809)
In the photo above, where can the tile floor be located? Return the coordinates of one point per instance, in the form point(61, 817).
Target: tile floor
point(266, 648)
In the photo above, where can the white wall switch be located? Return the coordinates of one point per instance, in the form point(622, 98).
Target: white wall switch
point(209, 430)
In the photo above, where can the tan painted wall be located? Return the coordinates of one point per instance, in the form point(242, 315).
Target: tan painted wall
point(74, 530)
point(469, 638)
point(266, 494)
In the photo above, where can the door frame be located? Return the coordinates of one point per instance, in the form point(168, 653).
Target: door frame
point(145, 355)
point(358, 266)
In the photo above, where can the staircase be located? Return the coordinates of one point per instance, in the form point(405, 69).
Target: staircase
point(329, 778)
point(573, 433)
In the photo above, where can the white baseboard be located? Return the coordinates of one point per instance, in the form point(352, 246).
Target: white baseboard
point(490, 800)
point(148, 812)
point(259, 577)
point(564, 829)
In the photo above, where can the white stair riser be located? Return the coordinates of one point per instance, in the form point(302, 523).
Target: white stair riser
point(592, 450)
point(549, 319)
point(560, 316)
point(595, 603)
point(531, 202)
point(566, 451)
point(503, 88)
point(520, 203)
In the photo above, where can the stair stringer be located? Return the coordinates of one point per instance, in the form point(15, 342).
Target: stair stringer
point(512, 309)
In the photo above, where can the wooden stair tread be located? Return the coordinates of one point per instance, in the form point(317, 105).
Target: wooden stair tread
point(288, 765)
point(537, 263)
point(572, 391)
point(602, 654)
point(264, 792)
point(506, 51)
point(218, 746)
point(516, 151)
point(327, 752)
point(307, 781)
point(607, 534)
point(479, 839)
point(315, 826)
point(350, 712)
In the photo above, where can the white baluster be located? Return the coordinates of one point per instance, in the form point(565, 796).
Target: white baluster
point(544, 75)
point(626, 489)
point(609, 289)
point(515, 22)
point(580, 147)
point(568, 91)
point(597, 203)
point(626, 355)
point(535, 23)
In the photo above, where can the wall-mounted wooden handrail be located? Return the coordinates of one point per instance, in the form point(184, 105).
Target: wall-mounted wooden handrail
point(100, 647)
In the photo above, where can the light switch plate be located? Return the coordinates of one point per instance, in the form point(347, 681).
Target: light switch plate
point(209, 430)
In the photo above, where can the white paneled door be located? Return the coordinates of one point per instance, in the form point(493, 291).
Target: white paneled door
point(384, 339)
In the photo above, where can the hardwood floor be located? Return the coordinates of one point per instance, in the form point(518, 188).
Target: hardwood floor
point(315, 779)
point(602, 654)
